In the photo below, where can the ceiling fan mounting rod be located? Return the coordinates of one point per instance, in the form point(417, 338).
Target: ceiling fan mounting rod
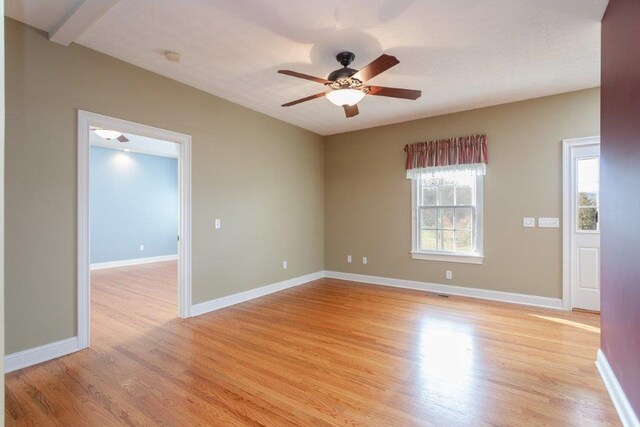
point(345, 58)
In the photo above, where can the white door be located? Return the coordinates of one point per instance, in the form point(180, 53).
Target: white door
point(585, 228)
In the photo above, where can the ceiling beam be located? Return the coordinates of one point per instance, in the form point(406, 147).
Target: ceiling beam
point(79, 20)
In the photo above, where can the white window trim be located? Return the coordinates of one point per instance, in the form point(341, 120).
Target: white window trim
point(449, 257)
point(476, 258)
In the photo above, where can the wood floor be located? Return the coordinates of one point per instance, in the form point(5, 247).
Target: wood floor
point(326, 353)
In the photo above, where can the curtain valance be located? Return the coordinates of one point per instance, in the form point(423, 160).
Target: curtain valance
point(461, 154)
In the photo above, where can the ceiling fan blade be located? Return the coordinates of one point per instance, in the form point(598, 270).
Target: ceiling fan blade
point(304, 76)
point(308, 98)
point(395, 92)
point(379, 65)
point(351, 110)
point(122, 138)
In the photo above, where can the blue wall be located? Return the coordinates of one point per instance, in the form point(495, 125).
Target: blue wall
point(134, 201)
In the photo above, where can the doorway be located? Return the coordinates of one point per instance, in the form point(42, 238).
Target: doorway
point(581, 237)
point(88, 123)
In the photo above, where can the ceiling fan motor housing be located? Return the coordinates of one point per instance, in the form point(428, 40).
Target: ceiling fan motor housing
point(341, 78)
point(342, 73)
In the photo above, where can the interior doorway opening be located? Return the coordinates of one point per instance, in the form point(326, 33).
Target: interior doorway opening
point(134, 216)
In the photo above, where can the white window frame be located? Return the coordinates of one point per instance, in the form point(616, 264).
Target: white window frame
point(475, 258)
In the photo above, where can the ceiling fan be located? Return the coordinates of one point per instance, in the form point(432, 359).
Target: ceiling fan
point(110, 134)
point(346, 85)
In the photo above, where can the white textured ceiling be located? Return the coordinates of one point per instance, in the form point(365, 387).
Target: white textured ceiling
point(462, 54)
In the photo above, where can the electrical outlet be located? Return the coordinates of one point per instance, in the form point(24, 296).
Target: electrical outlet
point(349, 259)
point(449, 274)
point(284, 265)
point(528, 222)
point(217, 223)
point(142, 247)
point(364, 259)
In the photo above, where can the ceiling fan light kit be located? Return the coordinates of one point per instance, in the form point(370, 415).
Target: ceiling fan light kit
point(346, 85)
point(342, 97)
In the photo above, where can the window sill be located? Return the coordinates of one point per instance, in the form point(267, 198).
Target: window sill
point(430, 256)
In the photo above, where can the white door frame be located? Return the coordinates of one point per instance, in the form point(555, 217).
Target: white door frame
point(567, 146)
point(85, 121)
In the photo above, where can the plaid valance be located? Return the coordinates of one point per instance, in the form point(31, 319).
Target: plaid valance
point(460, 154)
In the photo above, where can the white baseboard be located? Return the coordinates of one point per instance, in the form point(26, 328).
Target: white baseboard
point(40, 354)
point(125, 262)
point(60, 348)
point(509, 297)
point(625, 411)
point(216, 304)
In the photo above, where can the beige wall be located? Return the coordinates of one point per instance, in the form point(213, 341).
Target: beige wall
point(368, 198)
point(261, 176)
point(279, 192)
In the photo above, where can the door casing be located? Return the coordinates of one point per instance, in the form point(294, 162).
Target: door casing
point(87, 119)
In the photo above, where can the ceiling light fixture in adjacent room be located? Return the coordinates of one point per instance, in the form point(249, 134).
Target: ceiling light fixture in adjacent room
point(107, 134)
point(111, 134)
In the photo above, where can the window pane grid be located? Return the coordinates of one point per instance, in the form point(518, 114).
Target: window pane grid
point(446, 214)
point(447, 239)
point(448, 193)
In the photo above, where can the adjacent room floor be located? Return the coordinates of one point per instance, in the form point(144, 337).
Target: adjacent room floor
point(326, 353)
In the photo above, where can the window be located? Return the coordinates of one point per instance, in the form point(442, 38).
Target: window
point(447, 217)
point(588, 193)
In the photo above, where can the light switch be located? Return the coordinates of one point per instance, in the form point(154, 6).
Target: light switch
point(217, 223)
point(549, 222)
point(528, 222)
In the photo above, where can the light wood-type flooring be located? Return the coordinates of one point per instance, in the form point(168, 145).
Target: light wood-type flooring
point(326, 353)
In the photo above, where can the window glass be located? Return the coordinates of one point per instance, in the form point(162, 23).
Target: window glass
point(429, 240)
point(463, 241)
point(430, 196)
point(430, 218)
point(588, 194)
point(446, 219)
point(464, 219)
point(446, 194)
point(464, 195)
point(587, 219)
point(446, 242)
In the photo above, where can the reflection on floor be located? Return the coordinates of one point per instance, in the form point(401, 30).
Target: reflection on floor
point(326, 353)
